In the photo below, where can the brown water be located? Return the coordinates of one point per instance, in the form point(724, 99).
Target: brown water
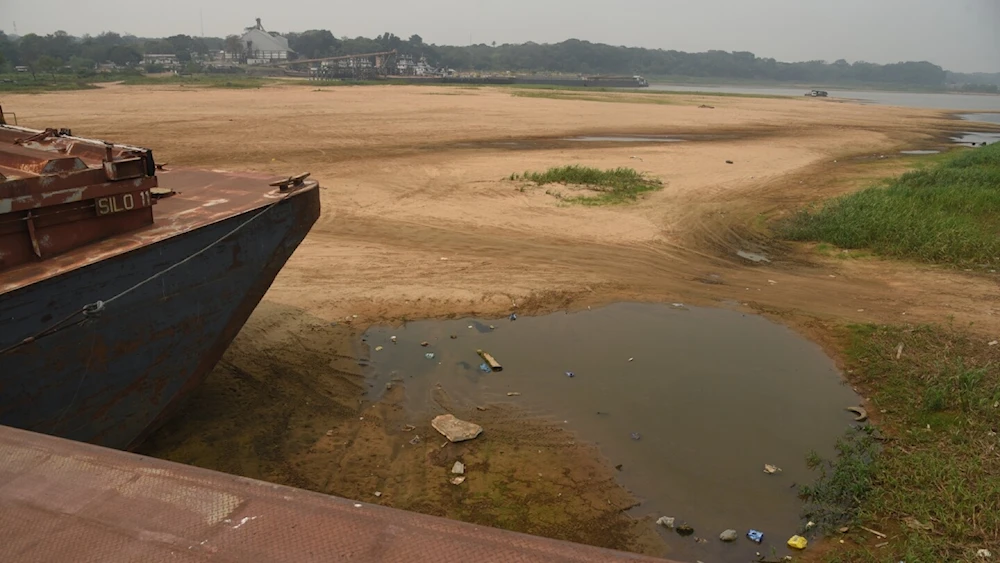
point(712, 395)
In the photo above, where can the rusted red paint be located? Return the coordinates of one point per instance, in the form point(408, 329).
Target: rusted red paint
point(67, 501)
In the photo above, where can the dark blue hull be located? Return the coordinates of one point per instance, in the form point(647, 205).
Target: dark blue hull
point(113, 379)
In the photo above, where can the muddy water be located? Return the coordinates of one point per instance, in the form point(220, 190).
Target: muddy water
point(691, 402)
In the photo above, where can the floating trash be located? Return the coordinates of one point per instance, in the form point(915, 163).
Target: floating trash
point(379, 348)
point(485, 368)
point(798, 542)
point(771, 469)
point(636, 436)
point(429, 355)
point(570, 374)
point(755, 536)
point(513, 316)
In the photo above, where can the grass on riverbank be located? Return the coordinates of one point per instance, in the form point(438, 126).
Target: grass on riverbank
point(934, 488)
point(21, 83)
point(617, 185)
point(945, 213)
point(200, 80)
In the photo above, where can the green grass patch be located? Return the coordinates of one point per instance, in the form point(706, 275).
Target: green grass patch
point(933, 485)
point(613, 186)
point(22, 83)
point(201, 81)
point(945, 213)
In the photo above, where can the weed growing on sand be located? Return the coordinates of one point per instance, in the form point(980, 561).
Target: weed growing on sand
point(934, 487)
point(844, 483)
point(617, 185)
point(201, 80)
point(945, 213)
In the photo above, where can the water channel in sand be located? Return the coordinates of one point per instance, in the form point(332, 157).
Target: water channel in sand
point(690, 402)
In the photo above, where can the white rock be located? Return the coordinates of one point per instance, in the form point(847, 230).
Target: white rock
point(458, 468)
point(666, 522)
point(454, 429)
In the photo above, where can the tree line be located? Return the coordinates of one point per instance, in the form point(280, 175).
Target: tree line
point(62, 52)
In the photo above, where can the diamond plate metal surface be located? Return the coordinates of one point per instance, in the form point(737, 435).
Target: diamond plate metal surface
point(67, 501)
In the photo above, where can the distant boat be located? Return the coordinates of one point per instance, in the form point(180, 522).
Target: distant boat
point(121, 285)
point(818, 93)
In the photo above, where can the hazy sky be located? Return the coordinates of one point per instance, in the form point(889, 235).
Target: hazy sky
point(960, 35)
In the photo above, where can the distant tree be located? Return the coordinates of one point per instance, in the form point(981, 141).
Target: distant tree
point(314, 44)
point(81, 66)
point(123, 55)
point(234, 46)
point(48, 64)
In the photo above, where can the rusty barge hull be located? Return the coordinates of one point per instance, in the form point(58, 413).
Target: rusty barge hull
point(68, 501)
point(121, 285)
point(109, 380)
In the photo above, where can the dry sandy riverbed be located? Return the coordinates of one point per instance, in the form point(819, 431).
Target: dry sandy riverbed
point(419, 222)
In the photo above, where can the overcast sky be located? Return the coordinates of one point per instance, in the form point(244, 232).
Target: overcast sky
point(960, 35)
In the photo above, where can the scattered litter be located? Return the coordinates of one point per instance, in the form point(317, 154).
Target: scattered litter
point(513, 394)
point(844, 530)
point(729, 162)
point(700, 540)
point(485, 368)
point(914, 524)
point(635, 158)
point(984, 554)
point(425, 344)
point(458, 480)
point(994, 343)
point(492, 327)
point(379, 348)
point(479, 408)
point(755, 536)
point(666, 521)
point(471, 327)
point(797, 542)
point(772, 282)
point(771, 469)
point(357, 505)
point(409, 428)
point(684, 530)
point(860, 414)
point(429, 355)
point(513, 316)
point(861, 310)
point(631, 359)
point(378, 493)
point(329, 432)
point(443, 259)
point(490, 360)
point(677, 305)
point(393, 338)
point(636, 436)
point(354, 316)
point(879, 534)
point(810, 525)
point(415, 441)
point(458, 468)
point(454, 337)
point(729, 535)
point(899, 351)
point(454, 429)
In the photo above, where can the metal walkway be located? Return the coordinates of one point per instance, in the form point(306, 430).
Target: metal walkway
point(67, 501)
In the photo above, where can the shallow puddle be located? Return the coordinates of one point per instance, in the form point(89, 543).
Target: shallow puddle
point(985, 117)
point(977, 138)
point(920, 152)
point(690, 402)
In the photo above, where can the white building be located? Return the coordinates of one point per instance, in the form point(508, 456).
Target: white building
point(262, 47)
point(164, 60)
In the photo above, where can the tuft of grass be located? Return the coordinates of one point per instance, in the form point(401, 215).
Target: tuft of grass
point(844, 483)
point(945, 213)
point(616, 185)
point(22, 84)
point(934, 485)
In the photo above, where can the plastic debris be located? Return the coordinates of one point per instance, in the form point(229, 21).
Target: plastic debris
point(860, 414)
point(458, 468)
point(454, 337)
point(915, 524)
point(729, 535)
point(797, 542)
point(666, 521)
point(393, 339)
point(729, 162)
point(993, 343)
point(378, 493)
point(513, 394)
point(492, 327)
point(425, 344)
point(485, 368)
point(570, 374)
point(490, 360)
point(409, 428)
point(513, 316)
point(684, 530)
point(379, 348)
point(771, 469)
point(844, 530)
point(984, 554)
point(810, 525)
point(458, 480)
point(755, 536)
point(636, 436)
point(631, 359)
point(429, 355)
